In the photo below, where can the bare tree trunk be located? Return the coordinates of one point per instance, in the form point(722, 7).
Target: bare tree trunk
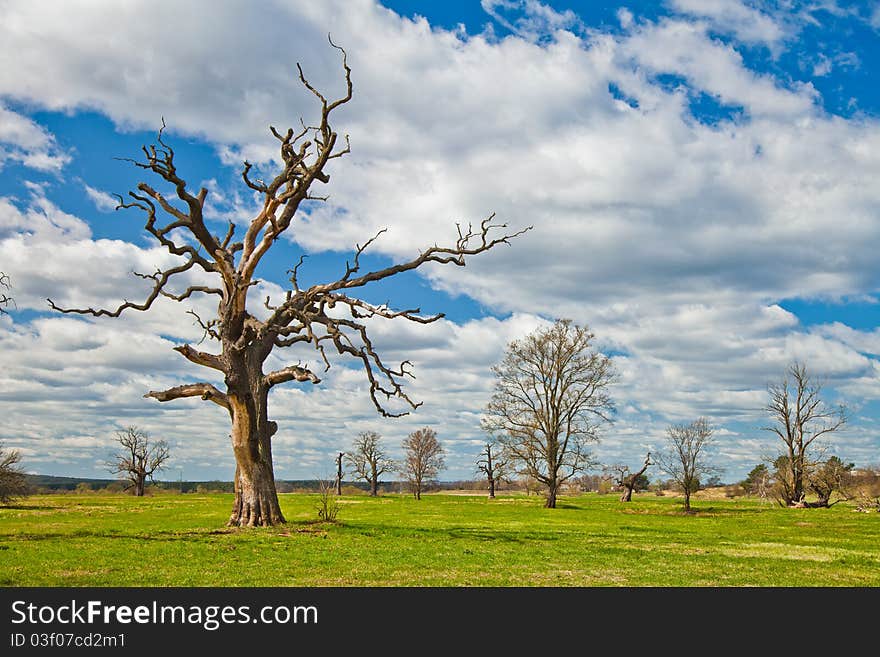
point(627, 494)
point(491, 488)
point(339, 473)
point(552, 491)
point(798, 492)
point(687, 500)
point(374, 486)
point(256, 501)
point(139, 487)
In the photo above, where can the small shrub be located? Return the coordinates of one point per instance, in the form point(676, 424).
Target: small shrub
point(327, 506)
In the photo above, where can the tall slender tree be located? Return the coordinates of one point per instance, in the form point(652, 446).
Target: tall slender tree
point(493, 466)
point(550, 400)
point(423, 459)
point(322, 315)
point(799, 418)
point(339, 473)
point(685, 459)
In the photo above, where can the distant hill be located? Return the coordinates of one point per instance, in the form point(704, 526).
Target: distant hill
point(63, 483)
point(53, 483)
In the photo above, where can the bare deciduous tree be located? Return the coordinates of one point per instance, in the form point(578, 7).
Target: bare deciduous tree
point(339, 473)
point(685, 461)
point(369, 460)
point(423, 459)
point(830, 477)
point(140, 458)
point(493, 466)
point(12, 480)
point(627, 480)
point(550, 399)
point(317, 317)
point(800, 417)
point(5, 299)
point(327, 506)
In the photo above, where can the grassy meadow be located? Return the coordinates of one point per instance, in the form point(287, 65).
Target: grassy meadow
point(443, 540)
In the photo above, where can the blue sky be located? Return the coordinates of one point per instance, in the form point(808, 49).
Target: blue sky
point(701, 177)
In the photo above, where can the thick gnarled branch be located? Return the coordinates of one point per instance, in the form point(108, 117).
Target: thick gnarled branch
point(200, 357)
point(204, 390)
point(291, 373)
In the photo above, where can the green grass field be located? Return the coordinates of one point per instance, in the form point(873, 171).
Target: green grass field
point(444, 540)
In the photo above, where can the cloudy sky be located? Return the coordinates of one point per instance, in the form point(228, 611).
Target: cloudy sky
point(701, 176)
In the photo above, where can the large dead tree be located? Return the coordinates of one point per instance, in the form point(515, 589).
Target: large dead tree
point(685, 460)
point(369, 460)
point(800, 417)
point(139, 459)
point(423, 459)
point(493, 466)
point(627, 480)
point(325, 316)
point(550, 400)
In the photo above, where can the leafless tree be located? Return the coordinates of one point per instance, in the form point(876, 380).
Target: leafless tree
point(832, 476)
point(324, 315)
point(493, 466)
point(423, 459)
point(139, 459)
point(800, 417)
point(685, 461)
point(12, 480)
point(339, 473)
point(550, 400)
point(626, 480)
point(369, 460)
point(5, 299)
point(327, 506)
point(530, 485)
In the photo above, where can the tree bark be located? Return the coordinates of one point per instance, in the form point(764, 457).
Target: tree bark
point(627, 494)
point(256, 501)
point(552, 491)
point(139, 487)
point(687, 501)
point(491, 487)
point(374, 486)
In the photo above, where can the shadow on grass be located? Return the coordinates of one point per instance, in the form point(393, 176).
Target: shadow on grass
point(507, 536)
point(28, 507)
point(695, 511)
point(169, 535)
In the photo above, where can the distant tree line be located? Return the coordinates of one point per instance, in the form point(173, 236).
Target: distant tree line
point(550, 401)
